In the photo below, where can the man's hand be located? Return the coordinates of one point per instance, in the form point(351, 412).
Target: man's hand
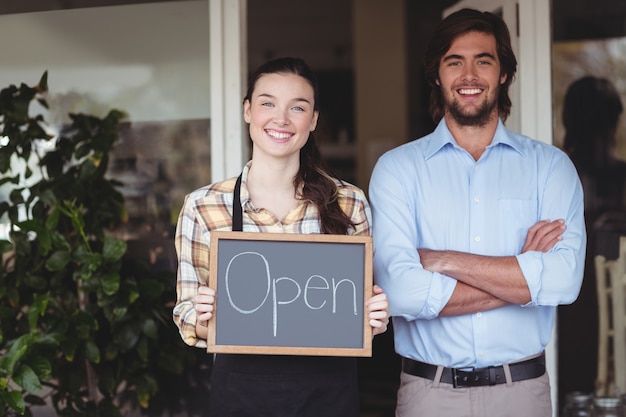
point(542, 236)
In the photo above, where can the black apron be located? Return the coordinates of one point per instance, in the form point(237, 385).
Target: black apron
point(281, 385)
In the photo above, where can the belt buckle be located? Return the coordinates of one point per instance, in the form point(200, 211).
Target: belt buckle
point(463, 381)
point(455, 380)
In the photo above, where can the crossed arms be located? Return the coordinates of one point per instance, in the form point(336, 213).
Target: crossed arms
point(488, 282)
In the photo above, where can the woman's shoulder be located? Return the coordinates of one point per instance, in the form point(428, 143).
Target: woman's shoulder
point(214, 190)
point(348, 190)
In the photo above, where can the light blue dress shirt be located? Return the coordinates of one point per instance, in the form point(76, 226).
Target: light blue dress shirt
point(430, 193)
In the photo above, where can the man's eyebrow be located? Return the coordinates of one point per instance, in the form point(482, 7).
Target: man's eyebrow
point(486, 55)
point(452, 57)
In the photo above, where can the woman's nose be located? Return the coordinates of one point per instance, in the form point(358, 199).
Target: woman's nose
point(280, 117)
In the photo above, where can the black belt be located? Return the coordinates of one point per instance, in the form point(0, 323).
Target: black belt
point(478, 377)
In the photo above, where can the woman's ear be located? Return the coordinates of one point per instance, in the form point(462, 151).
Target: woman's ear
point(316, 115)
point(246, 111)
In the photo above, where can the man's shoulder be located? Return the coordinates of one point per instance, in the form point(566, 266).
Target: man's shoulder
point(410, 148)
point(531, 146)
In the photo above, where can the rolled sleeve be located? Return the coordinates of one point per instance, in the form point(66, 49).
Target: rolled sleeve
point(413, 292)
point(555, 277)
point(193, 270)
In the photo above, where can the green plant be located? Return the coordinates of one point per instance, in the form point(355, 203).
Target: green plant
point(79, 322)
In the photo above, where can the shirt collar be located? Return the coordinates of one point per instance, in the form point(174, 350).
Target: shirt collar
point(244, 193)
point(442, 137)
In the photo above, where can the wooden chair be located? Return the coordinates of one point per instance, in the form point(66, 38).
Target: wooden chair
point(611, 287)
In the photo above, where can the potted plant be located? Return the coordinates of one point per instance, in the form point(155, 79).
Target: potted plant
point(81, 326)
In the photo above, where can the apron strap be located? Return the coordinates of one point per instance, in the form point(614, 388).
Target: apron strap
point(237, 213)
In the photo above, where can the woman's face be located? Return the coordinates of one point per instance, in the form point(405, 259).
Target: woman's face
point(280, 114)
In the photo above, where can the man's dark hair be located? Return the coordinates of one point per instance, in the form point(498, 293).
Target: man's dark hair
point(457, 24)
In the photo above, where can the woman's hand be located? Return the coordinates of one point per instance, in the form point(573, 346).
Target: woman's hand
point(378, 311)
point(204, 304)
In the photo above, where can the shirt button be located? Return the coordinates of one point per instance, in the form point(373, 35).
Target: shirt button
point(479, 315)
point(481, 353)
point(476, 200)
point(477, 239)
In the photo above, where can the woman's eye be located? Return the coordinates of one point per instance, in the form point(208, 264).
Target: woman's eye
point(298, 108)
point(267, 104)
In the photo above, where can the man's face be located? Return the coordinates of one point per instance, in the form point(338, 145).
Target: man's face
point(470, 79)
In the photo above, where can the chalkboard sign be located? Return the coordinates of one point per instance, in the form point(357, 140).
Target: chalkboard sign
point(290, 294)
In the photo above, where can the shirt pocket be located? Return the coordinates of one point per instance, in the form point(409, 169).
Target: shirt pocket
point(516, 217)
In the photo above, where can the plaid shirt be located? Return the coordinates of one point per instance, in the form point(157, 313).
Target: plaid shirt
point(210, 208)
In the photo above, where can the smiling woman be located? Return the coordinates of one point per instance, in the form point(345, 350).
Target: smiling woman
point(285, 188)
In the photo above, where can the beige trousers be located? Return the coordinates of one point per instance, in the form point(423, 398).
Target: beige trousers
point(420, 397)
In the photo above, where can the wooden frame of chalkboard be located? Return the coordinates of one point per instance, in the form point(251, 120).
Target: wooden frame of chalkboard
point(290, 294)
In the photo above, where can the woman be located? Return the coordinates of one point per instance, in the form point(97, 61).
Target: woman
point(283, 189)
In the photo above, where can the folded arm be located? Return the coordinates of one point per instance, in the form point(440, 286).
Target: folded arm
point(488, 282)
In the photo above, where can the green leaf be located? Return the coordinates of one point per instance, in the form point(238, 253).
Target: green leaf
point(42, 86)
point(5, 159)
point(26, 378)
point(146, 387)
point(111, 283)
point(15, 400)
point(37, 309)
point(36, 282)
point(32, 400)
point(149, 328)
point(92, 353)
point(58, 260)
point(49, 340)
point(142, 349)
point(111, 351)
point(33, 316)
point(5, 246)
point(53, 219)
point(45, 242)
point(114, 249)
point(16, 352)
point(41, 302)
point(128, 336)
point(41, 366)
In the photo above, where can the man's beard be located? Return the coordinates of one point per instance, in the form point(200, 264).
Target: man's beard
point(478, 118)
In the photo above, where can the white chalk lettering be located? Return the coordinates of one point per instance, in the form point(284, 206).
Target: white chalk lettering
point(267, 274)
point(308, 287)
point(335, 286)
point(286, 290)
point(276, 301)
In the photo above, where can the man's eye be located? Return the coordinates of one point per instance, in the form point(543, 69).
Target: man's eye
point(267, 104)
point(298, 108)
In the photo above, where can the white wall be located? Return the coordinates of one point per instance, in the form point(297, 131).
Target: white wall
point(150, 60)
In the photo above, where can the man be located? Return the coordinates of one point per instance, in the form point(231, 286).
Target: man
point(470, 238)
